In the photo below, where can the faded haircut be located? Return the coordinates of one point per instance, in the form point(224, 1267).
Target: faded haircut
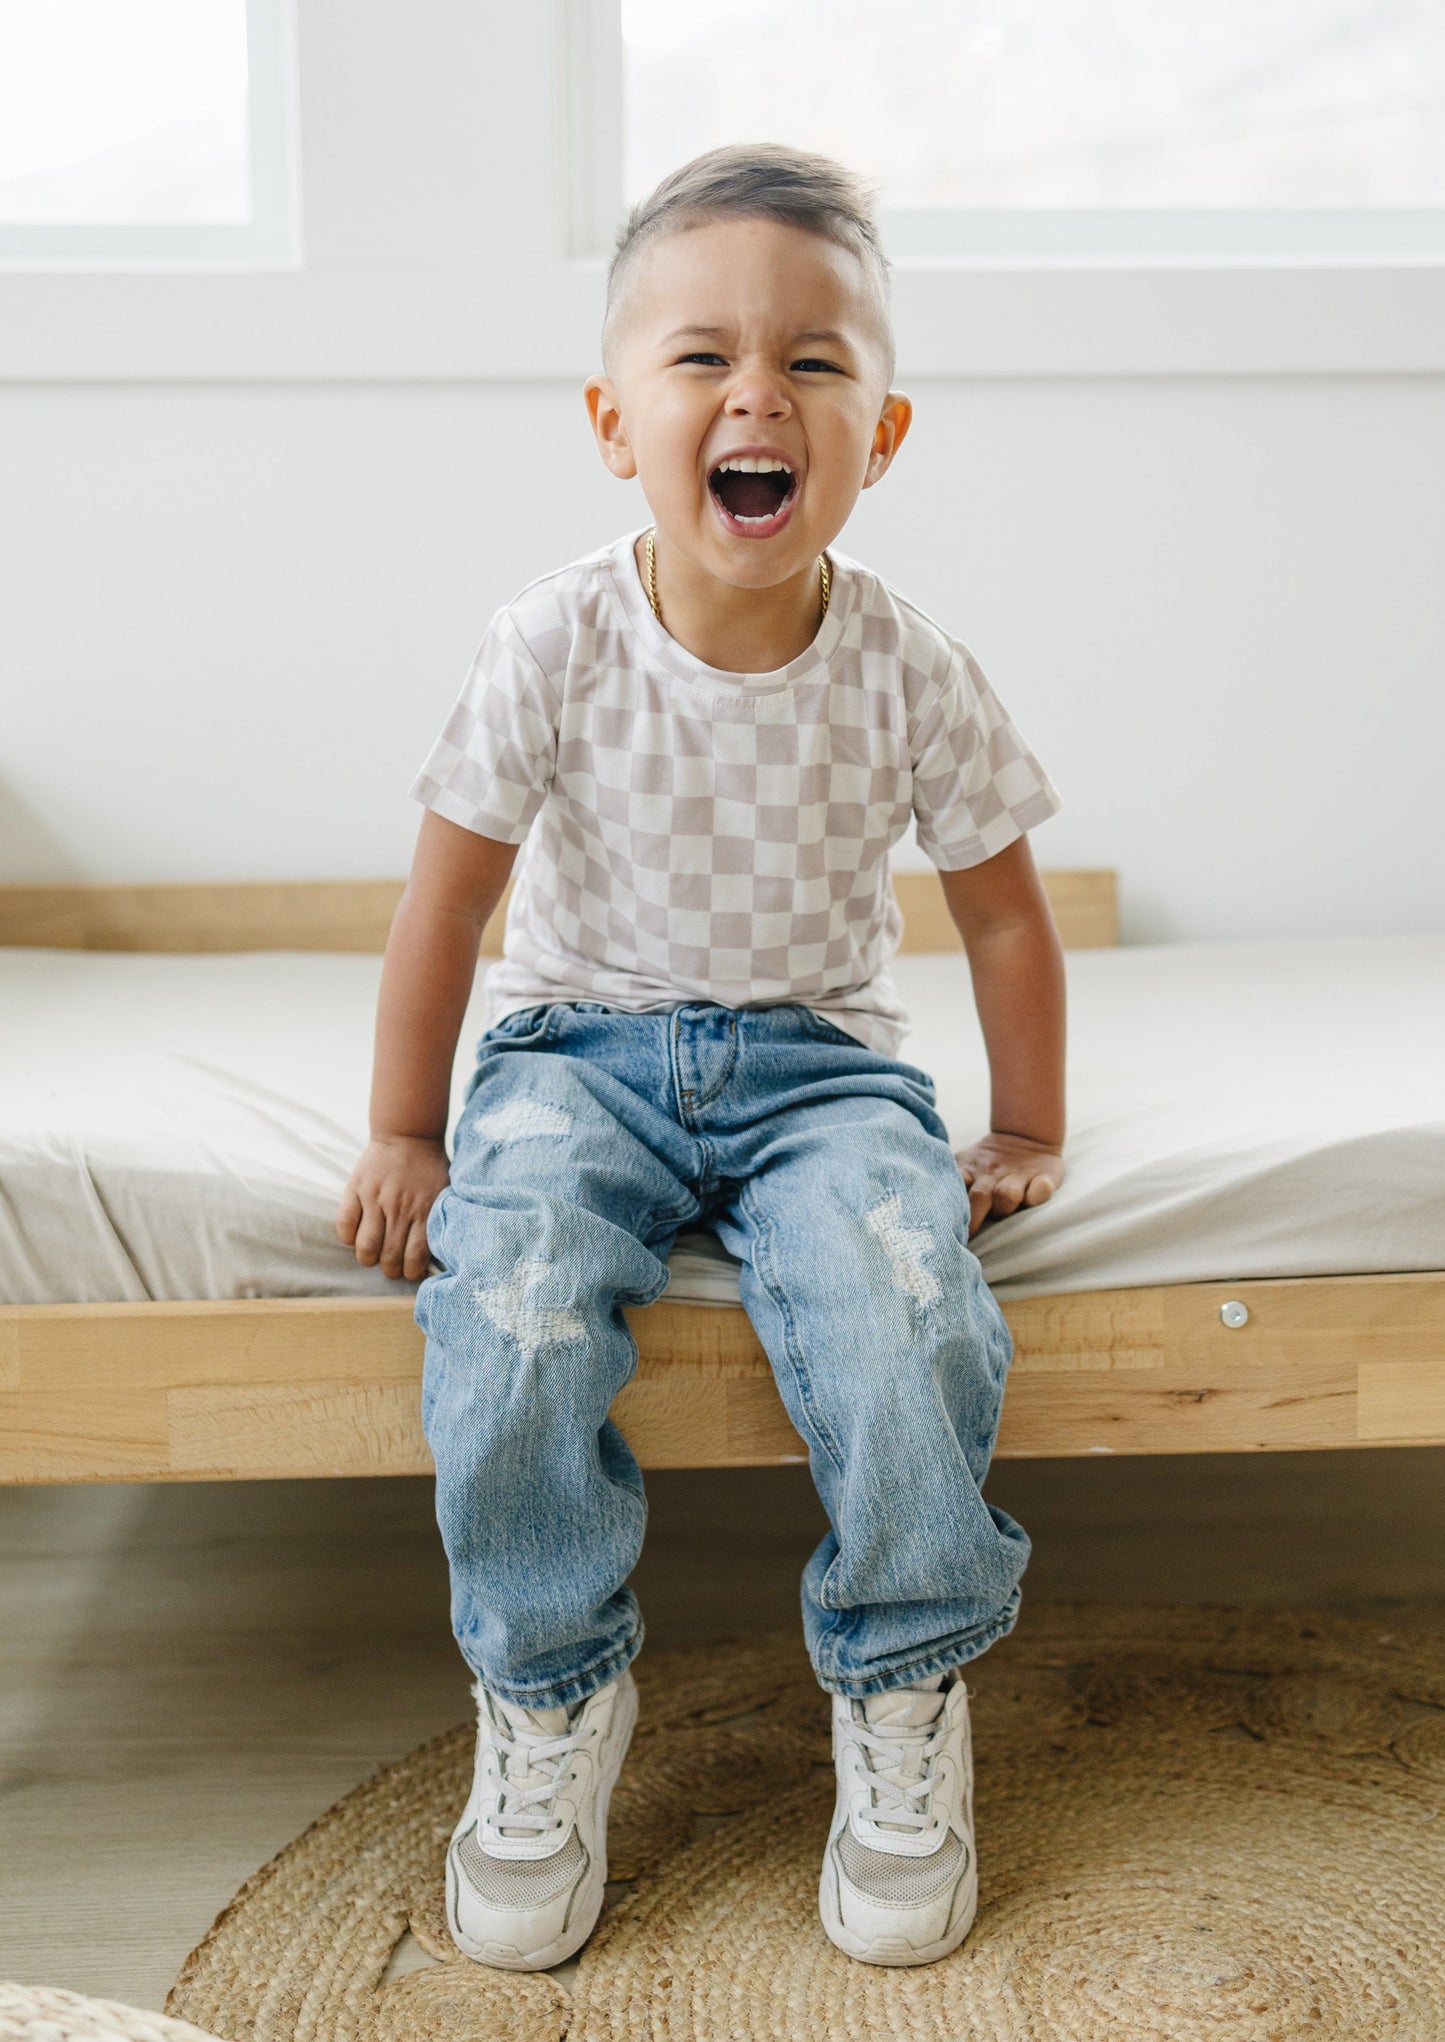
point(757, 181)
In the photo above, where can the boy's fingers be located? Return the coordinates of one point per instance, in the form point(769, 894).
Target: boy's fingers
point(393, 1251)
point(1008, 1194)
point(998, 1191)
point(414, 1266)
point(370, 1235)
point(348, 1213)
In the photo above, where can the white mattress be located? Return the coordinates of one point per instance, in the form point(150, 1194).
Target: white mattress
point(181, 1127)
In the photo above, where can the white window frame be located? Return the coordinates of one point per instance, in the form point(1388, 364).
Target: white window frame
point(270, 239)
point(463, 180)
point(997, 293)
point(1010, 237)
point(1166, 237)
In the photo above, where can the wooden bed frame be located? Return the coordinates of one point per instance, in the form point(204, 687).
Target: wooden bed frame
point(329, 1386)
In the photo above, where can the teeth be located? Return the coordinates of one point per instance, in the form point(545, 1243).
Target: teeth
point(753, 464)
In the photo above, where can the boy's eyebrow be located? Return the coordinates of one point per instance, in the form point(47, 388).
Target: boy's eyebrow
point(721, 333)
point(685, 332)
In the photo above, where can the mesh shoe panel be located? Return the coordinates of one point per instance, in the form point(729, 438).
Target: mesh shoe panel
point(519, 1882)
point(899, 1882)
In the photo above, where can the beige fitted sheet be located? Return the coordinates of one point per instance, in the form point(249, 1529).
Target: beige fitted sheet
point(182, 1126)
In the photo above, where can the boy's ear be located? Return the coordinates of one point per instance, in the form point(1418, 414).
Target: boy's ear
point(888, 436)
point(604, 408)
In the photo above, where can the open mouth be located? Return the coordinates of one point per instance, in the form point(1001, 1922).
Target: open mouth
point(753, 490)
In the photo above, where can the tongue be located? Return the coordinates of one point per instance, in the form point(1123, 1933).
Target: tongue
point(905, 1707)
point(750, 496)
point(534, 1722)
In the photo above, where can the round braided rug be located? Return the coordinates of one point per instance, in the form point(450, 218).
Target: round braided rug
point(47, 2013)
point(1192, 1823)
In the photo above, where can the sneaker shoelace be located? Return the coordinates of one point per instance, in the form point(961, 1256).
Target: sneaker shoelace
point(897, 1766)
point(533, 1760)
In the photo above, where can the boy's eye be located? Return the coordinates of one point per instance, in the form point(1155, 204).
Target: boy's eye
point(811, 363)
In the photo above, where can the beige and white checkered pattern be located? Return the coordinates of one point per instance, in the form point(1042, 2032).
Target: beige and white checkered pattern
point(698, 835)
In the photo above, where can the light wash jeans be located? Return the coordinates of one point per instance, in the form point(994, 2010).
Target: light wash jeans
point(588, 1138)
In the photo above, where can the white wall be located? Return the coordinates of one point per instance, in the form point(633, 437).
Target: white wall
point(234, 616)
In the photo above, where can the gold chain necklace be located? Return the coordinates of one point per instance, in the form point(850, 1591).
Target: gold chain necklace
point(823, 569)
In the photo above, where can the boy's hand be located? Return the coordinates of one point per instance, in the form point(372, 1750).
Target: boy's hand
point(383, 1211)
point(1005, 1171)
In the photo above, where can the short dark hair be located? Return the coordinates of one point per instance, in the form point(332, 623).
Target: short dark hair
point(758, 180)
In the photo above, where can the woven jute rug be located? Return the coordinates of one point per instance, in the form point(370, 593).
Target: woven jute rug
point(1194, 1825)
point(47, 2013)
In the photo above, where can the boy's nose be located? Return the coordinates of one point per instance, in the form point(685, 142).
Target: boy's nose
point(758, 393)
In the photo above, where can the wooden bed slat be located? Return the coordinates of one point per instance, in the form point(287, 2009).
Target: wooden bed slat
point(1402, 1398)
point(283, 915)
point(330, 1386)
point(355, 914)
point(321, 1428)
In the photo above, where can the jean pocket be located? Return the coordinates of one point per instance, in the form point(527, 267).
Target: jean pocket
point(525, 1025)
point(824, 1030)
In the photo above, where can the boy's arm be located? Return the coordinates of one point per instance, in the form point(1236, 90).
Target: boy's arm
point(457, 879)
point(1000, 910)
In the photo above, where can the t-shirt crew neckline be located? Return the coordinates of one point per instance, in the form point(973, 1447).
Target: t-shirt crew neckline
point(810, 665)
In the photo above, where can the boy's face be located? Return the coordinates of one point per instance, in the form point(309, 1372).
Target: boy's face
point(748, 338)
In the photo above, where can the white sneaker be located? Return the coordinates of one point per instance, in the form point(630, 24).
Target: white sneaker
point(900, 1880)
point(528, 1861)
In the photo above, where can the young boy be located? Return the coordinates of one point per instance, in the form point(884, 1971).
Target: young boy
point(709, 734)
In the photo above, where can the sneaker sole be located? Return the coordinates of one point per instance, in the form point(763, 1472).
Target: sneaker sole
point(501, 1957)
point(893, 1950)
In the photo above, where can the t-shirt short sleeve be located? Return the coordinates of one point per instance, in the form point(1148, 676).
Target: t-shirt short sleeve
point(976, 784)
point(493, 763)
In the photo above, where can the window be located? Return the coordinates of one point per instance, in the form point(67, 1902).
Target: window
point(145, 133)
point(467, 165)
point(1068, 129)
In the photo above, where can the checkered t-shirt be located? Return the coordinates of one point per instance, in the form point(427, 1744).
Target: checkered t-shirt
point(695, 835)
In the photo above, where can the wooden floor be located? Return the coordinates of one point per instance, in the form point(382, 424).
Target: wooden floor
point(188, 1674)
